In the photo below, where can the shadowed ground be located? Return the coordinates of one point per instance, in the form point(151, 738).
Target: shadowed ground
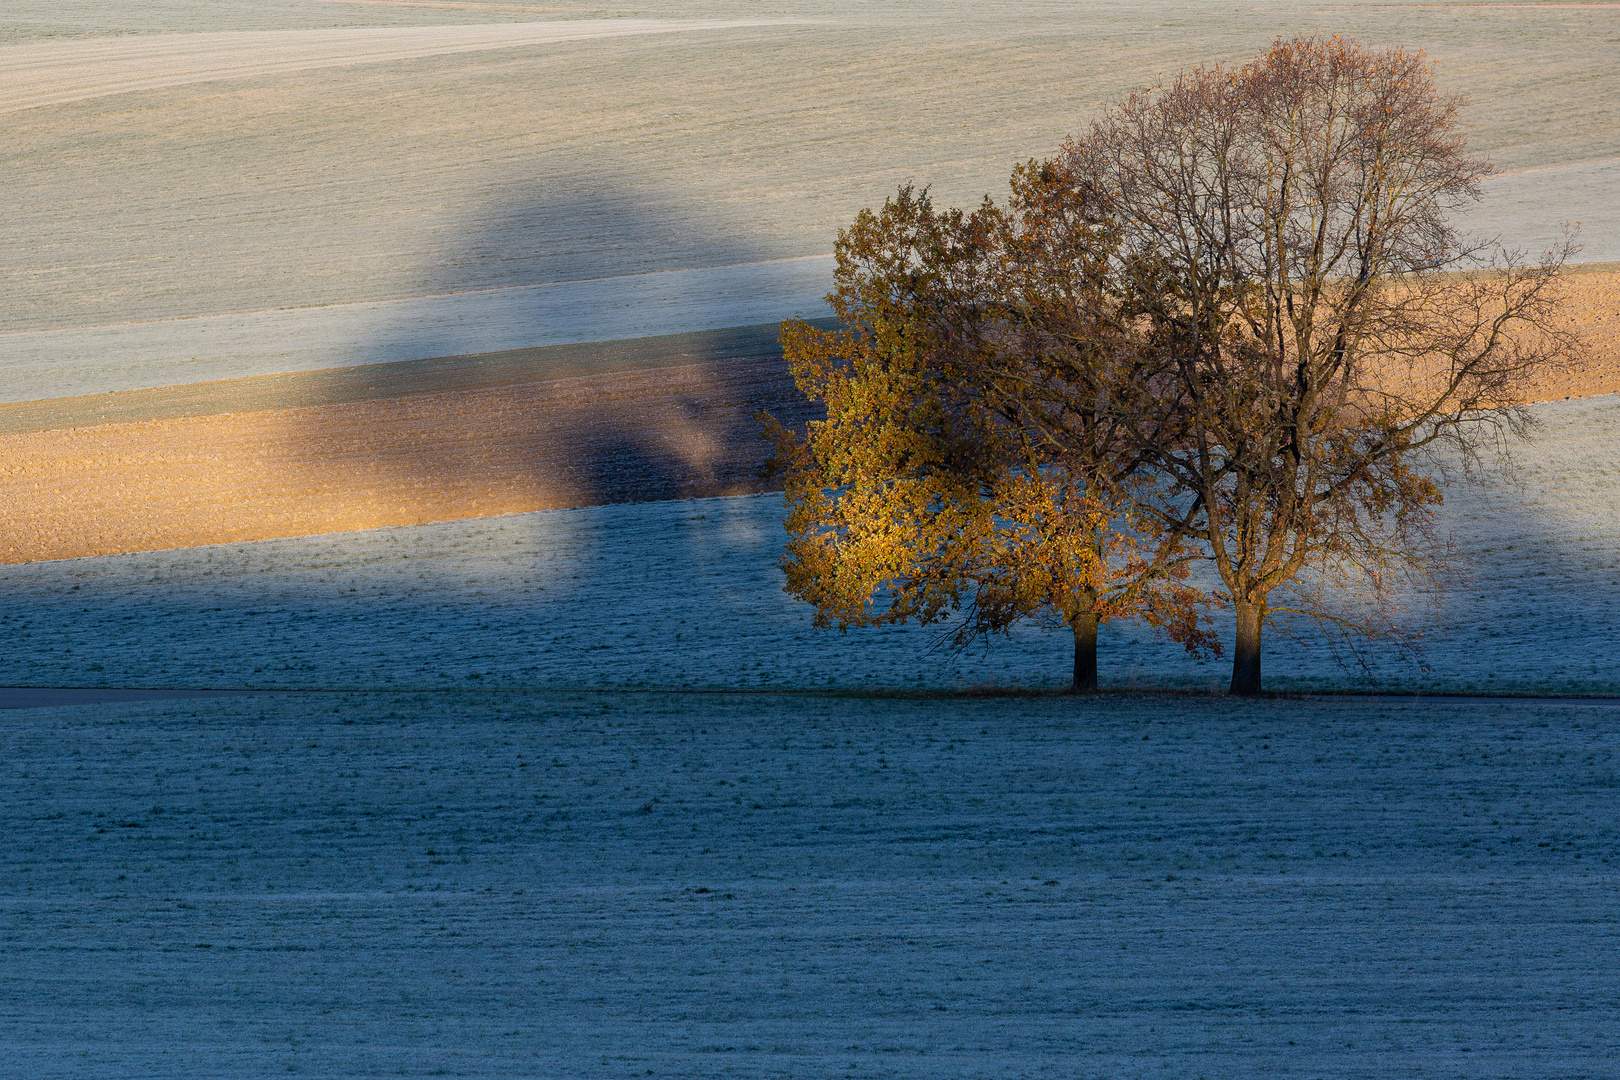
point(392, 444)
point(441, 375)
point(611, 885)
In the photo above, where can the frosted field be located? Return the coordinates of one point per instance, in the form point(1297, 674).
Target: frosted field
point(137, 356)
point(260, 187)
point(615, 885)
point(687, 594)
point(472, 832)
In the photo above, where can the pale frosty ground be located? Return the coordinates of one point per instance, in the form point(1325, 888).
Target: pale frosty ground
point(341, 188)
point(140, 355)
point(687, 594)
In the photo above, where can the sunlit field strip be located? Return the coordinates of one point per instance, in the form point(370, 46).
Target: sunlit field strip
point(41, 74)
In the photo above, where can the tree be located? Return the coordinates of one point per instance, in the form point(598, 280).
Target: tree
point(928, 491)
point(1324, 330)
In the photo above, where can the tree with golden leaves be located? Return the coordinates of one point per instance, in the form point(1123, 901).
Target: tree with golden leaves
point(977, 459)
point(1326, 334)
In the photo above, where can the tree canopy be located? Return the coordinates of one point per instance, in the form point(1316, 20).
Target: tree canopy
point(1232, 321)
point(929, 490)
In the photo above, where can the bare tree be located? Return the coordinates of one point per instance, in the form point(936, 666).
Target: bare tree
point(1322, 328)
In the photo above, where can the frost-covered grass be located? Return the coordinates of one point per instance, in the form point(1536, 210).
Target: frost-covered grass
point(584, 885)
point(688, 594)
point(322, 214)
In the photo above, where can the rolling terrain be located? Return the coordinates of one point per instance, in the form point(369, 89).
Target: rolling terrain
point(239, 191)
point(292, 292)
point(275, 219)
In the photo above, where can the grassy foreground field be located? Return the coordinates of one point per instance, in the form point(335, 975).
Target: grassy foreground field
point(702, 886)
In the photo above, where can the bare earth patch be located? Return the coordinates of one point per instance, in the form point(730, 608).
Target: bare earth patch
point(655, 431)
point(661, 433)
point(1594, 307)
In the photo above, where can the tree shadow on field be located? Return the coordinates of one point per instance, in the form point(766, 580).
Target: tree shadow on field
point(1540, 542)
point(1535, 605)
point(668, 415)
point(604, 597)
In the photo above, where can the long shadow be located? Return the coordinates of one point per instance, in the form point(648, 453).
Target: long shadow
point(659, 417)
point(439, 437)
point(1534, 607)
point(623, 424)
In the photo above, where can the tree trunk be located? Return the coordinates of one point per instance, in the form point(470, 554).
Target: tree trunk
point(1246, 653)
point(1085, 652)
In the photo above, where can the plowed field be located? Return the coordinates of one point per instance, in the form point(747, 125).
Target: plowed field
point(404, 444)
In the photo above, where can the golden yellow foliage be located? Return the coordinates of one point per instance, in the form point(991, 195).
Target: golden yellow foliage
point(934, 487)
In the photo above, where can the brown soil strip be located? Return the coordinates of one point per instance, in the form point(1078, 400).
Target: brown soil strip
point(404, 444)
point(664, 433)
point(1592, 303)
